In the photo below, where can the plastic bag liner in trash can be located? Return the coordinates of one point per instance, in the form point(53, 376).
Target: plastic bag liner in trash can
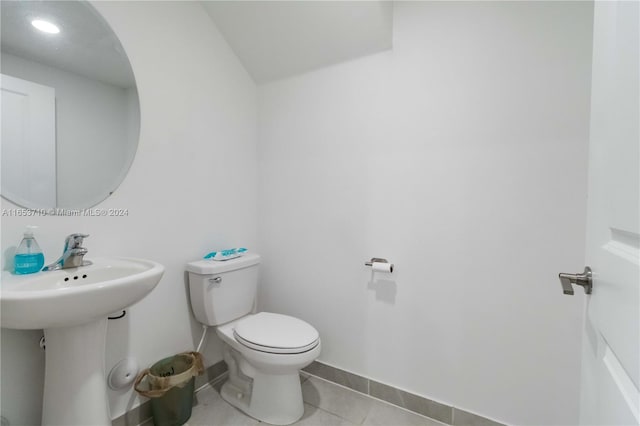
point(171, 387)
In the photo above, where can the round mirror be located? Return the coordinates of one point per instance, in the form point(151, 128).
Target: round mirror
point(70, 110)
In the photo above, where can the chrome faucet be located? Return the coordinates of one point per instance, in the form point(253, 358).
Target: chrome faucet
point(72, 255)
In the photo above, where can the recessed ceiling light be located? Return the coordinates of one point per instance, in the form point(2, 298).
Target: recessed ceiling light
point(45, 26)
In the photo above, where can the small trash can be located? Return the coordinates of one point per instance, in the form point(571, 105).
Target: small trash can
point(171, 386)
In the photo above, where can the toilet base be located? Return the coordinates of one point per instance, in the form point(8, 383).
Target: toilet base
point(274, 399)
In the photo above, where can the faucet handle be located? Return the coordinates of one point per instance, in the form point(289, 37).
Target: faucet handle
point(74, 241)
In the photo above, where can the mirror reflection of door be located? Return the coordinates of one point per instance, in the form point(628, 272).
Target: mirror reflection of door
point(97, 115)
point(28, 142)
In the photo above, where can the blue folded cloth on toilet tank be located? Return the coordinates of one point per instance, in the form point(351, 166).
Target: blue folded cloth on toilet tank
point(226, 254)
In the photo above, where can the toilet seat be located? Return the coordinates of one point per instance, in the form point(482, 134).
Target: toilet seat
point(276, 333)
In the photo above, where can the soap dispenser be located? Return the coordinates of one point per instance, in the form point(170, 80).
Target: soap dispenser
point(29, 257)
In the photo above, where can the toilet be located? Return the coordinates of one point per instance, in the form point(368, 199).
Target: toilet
point(264, 351)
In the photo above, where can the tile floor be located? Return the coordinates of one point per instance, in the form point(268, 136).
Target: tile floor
point(326, 404)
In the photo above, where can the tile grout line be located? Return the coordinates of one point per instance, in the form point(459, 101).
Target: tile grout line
point(368, 394)
point(137, 411)
point(337, 384)
point(367, 380)
point(341, 386)
point(334, 414)
point(371, 397)
point(407, 410)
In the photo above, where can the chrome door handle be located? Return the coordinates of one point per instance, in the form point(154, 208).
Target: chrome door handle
point(583, 279)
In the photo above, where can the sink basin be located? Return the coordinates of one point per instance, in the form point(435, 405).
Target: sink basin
point(72, 306)
point(77, 295)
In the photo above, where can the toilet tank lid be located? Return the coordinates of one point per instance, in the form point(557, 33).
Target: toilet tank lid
point(210, 267)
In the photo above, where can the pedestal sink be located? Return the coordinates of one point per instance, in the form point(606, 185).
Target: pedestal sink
point(72, 306)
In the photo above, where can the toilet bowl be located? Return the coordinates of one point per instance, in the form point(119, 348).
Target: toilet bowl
point(264, 351)
point(264, 377)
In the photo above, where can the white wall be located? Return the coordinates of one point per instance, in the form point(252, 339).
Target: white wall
point(461, 157)
point(96, 129)
point(198, 129)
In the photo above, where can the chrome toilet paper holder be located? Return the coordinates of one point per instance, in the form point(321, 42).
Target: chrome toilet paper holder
point(378, 260)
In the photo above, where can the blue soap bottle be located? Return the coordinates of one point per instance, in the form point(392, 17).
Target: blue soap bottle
point(29, 257)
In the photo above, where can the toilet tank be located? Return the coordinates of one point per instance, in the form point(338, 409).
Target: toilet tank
point(222, 291)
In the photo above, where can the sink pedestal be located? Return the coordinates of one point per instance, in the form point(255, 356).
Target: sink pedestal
point(71, 306)
point(75, 389)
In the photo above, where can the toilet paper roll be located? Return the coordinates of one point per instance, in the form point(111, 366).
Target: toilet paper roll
point(382, 267)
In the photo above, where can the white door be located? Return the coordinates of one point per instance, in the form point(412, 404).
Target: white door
point(611, 336)
point(28, 154)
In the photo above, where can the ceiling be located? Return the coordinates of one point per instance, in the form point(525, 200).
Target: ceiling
point(273, 39)
point(85, 45)
point(277, 39)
